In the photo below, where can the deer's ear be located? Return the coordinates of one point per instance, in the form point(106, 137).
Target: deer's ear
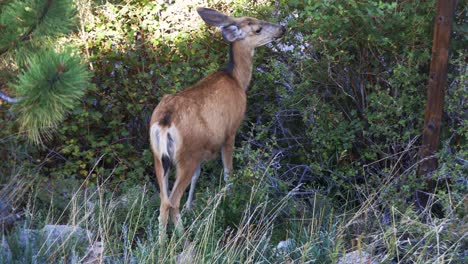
point(232, 33)
point(213, 17)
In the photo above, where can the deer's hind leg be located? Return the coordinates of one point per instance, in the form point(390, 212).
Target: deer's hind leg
point(165, 201)
point(186, 169)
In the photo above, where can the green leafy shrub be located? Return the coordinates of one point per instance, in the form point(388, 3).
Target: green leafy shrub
point(333, 122)
point(344, 98)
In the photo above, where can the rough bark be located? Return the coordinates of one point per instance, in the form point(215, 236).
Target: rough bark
point(435, 99)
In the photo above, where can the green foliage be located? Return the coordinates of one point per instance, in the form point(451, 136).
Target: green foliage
point(27, 25)
point(453, 156)
point(135, 63)
point(332, 125)
point(50, 87)
point(48, 78)
point(342, 98)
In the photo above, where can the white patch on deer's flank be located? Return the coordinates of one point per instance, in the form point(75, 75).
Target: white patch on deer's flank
point(154, 139)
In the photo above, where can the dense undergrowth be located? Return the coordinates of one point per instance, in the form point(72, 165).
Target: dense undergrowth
point(326, 156)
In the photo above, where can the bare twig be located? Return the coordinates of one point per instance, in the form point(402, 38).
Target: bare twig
point(8, 99)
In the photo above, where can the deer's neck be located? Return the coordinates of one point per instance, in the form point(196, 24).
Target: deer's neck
point(240, 64)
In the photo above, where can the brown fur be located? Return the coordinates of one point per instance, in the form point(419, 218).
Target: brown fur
point(195, 124)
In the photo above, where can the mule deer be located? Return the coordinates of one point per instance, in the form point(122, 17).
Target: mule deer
point(193, 125)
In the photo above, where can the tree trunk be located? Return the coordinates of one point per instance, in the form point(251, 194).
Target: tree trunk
point(435, 99)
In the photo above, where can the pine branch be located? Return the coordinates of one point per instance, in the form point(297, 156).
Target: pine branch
point(27, 35)
point(51, 87)
point(50, 82)
point(52, 18)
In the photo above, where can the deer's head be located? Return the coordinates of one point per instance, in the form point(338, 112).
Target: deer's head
point(252, 32)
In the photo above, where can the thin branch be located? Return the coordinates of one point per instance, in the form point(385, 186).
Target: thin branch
point(8, 99)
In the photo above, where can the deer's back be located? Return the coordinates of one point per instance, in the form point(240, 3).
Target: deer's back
point(206, 113)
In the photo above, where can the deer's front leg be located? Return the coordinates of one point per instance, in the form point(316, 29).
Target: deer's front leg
point(226, 154)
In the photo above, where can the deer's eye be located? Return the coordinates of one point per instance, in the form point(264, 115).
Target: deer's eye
point(258, 30)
